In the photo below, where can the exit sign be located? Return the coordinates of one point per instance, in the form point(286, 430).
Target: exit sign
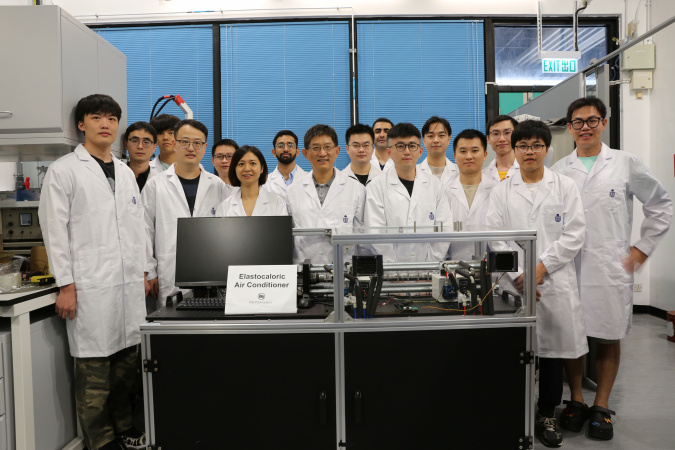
point(559, 65)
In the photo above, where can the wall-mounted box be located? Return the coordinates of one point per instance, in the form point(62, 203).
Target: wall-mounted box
point(638, 57)
point(641, 79)
point(50, 62)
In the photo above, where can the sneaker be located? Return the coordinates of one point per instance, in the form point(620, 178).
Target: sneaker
point(573, 416)
point(133, 438)
point(547, 431)
point(600, 423)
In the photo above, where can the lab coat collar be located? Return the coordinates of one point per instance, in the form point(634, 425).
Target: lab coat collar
point(93, 165)
point(204, 184)
point(601, 161)
point(333, 192)
point(456, 189)
point(545, 186)
point(262, 201)
point(421, 178)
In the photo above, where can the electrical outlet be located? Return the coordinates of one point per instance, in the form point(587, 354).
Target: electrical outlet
point(637, 287)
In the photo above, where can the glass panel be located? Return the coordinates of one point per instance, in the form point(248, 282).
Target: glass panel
point(516, 56)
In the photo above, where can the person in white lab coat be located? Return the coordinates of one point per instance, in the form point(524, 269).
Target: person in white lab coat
point(608, 180)
point(221, 158)
point(499, 131)
point(324, 198)
point(405, 196)
point(248, 173)
point(359, 139)
point(469, 193)
point(285, 149)
point(139, 142)
point(184, 190)
point(436, 134)
point(537, 198)
point(380, 156)
point(91, 217)
point(164, 125)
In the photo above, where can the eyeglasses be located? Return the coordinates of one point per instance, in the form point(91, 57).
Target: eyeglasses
point(505, 133)
point(184, 144)
point(400, 147)
point(357, 146)
point(535, 148)
point(592, 122)
point(325, 148)
point(222, 157)
point(289, 145)
point(144, 142)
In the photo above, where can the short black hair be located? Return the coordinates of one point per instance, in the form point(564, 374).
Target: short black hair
point(164, 122)
point(403, 129)
point(435, 119)
point(97, 104)
point(383, 119)
point(241, 151)
point(229, 142)
point(359, 128)
point(531, 129)
point(320, 130)
point(145, 126)
point(470, 134)
point(194, 124)
point(580, 103)
point(501, 118)
point(284, 133)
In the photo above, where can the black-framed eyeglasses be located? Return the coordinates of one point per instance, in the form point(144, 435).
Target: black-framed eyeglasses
point(144, 142)
point(282, 145)
point(522, 148)
point(400, 147)
point(592, 122)
point(223, 157)
point(185, 144)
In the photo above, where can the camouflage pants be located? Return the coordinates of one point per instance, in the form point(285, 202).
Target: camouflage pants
point(103, 393)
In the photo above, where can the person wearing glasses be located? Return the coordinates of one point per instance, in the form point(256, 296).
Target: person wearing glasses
point(285, 150)
point(504, 165)
point(139, 142)
point(436, 134)
point(248, 173)
point(324, 198)
point(608, 180)
point(548, 202)
point(164, 124)
point(183, 190)
point(405, 196)
point(221, 157)
point(360, 149)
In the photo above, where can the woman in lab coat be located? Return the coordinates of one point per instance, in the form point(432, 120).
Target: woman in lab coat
point(247, 173)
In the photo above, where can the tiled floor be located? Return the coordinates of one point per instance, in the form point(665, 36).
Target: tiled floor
point(643, 396)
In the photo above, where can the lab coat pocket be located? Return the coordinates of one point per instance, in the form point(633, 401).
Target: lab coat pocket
point(611, 193)
point(553, 220)
point(95, 268)
point(614, 253)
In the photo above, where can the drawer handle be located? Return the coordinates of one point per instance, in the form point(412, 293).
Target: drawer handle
point(8, 113)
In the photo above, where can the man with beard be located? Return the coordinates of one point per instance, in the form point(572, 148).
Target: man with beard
point(285, 149)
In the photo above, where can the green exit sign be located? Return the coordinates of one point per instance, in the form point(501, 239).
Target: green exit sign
point(559, 65)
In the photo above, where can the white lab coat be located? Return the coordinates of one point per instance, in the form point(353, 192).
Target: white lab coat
point(388, 204)
point(277, 185)
point(491, 170)
point(558, 216)
point(155, 166)
point(376, 162)
point(471, 218)
point(607, 192)
point(95, 239)
point(372, 174)
point(164, 201)
point(267, 204)
point(449, 171)
point(342, 208)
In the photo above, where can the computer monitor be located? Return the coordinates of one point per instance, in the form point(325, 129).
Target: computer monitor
point(207, 246)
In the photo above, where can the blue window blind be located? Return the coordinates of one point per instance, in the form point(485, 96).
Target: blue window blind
point(409, 71)
point(284, 76)
point(168, 60)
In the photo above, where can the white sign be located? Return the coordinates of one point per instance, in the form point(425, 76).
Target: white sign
point(262, 290)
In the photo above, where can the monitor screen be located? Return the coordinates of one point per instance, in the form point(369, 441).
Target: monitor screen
point(207, 246)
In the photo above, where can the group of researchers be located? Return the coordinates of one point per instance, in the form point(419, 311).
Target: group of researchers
point(110, 231)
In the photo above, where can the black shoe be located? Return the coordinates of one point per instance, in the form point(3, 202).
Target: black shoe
point(133, 439)
point(573, 416)
point(547, 431)
point(600, 423)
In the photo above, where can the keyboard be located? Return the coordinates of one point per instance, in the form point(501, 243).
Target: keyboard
point(207, 303)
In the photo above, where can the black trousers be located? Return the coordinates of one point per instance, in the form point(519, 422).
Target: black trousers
point(550, 385)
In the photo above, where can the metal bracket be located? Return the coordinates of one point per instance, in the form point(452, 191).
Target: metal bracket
point(150, 365)
point(523, 443)
point(526, 357)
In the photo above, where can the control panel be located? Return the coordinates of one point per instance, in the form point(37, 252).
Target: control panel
point(20, 223)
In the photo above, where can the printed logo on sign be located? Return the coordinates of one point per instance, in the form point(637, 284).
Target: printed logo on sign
point(133, 200)
point(431, 216)
point(612, 193)
point(261, 296)
point(345, 219)
point(558, 218)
